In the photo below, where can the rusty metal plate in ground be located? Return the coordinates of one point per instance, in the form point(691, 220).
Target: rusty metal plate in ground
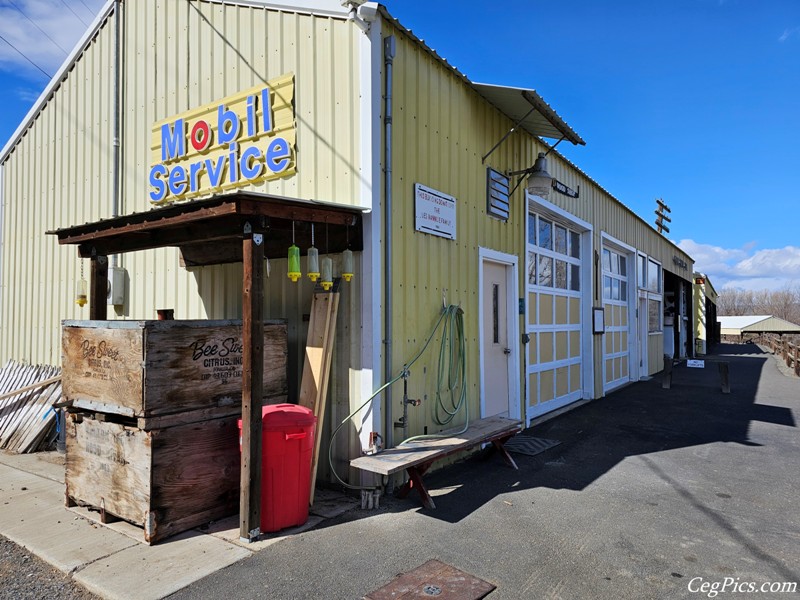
point(433, 580)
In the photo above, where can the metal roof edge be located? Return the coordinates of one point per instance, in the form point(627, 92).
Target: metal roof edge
point(303, 7)
point(541, 105)
point(57, 79)
point(615, 199)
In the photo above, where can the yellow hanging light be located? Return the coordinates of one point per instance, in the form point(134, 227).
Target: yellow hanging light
point(81, 297)
point(313, 259)
point(327, 273)
point(294, 260)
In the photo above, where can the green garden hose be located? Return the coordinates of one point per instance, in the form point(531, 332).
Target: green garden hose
point(452, 369)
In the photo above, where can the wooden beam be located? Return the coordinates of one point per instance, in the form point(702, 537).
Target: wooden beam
point(292, 211)
point(252, 382)
point(138, 223)
point(98, 292)
point(28, 388)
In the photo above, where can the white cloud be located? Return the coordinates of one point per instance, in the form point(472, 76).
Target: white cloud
point(787, 33)
point(61, 21)
point(27, 94)
point(747, 267)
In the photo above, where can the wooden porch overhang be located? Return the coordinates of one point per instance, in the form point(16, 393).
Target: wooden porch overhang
point(239, 227)
point(210, 231)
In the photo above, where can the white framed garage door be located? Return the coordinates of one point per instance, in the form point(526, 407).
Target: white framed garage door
point(618, 290)
point(557, 355)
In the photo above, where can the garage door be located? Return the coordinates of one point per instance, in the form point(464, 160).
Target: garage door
point(554, 312)
point(616, 302)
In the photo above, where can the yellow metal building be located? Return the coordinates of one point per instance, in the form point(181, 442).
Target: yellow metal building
point(565, 292)
point(706, 325)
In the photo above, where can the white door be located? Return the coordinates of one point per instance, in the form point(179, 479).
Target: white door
point(496, 351)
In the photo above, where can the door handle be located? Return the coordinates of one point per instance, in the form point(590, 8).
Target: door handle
point(506, 351)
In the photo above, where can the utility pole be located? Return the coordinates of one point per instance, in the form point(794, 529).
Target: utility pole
point(661, 216)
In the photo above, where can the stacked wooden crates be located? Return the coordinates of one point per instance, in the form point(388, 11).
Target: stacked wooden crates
point(152, 436)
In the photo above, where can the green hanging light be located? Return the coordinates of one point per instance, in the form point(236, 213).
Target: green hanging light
point(294, 260)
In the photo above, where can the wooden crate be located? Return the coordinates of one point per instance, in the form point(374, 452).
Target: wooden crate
point(164, 480)
point(149, 368)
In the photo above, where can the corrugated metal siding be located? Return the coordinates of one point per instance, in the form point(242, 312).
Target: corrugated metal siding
point(176, 55)
point(182, 55)
point(441, 129)
point(59, 174)
point(607, 215)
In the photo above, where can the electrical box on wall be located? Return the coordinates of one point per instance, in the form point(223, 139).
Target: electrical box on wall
point(116, 286)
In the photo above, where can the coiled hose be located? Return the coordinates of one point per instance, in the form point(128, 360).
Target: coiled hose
point(451, 368)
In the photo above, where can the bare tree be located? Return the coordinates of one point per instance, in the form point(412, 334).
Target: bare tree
point(783, 303)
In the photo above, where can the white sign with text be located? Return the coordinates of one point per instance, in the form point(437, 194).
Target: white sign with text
point(435, 212)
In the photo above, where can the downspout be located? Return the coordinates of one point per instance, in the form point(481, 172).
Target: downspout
point(359, 22)
point(116, 126)
point(389, 50)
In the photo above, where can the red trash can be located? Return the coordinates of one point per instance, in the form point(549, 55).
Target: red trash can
point(286, 452)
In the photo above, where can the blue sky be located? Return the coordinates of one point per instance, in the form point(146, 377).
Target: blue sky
point(693, 101)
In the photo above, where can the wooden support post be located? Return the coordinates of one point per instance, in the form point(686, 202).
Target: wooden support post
point(666, 380)
point(98, 309)
point(252, 383)
point(724, 376)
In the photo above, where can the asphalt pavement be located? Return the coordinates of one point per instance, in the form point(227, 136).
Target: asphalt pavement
point(649, 494)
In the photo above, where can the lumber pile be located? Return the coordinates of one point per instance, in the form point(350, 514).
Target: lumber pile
point(27, 418)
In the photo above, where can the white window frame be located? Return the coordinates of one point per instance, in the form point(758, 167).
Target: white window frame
point(646, 292)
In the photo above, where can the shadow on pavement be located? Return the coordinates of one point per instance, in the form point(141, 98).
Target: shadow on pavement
point(639, 419)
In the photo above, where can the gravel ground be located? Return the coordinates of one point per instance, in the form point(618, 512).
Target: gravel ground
point(23, 576)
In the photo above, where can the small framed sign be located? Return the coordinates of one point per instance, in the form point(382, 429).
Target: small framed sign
point(598, 320)
point(435, 212)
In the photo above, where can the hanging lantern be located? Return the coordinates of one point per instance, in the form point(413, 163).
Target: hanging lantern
point(348, 265)
point(313, 259)
point(327, 273)
point(81, 297)
point(294, 263)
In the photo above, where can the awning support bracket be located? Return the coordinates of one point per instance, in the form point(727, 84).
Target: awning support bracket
point(505, 137)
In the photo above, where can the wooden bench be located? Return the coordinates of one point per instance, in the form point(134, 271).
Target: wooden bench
point(416, 457)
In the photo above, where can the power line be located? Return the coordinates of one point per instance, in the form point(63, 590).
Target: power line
point(77, 16)
point(37, 27)
point(91, 12)
point(25, 57)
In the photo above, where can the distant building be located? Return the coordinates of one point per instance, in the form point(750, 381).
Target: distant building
point(740, 328)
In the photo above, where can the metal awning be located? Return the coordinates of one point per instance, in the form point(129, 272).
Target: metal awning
point(210, 231)
point(516, 103)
